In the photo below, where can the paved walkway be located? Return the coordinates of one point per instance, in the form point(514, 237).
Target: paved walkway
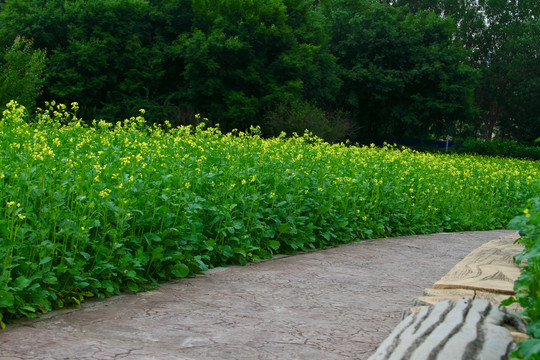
point(339, 303)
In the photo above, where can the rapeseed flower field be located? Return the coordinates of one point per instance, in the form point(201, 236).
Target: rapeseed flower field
point(90, 210)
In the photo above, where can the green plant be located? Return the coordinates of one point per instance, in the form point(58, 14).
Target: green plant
point(527, 286)
point(498, 147)
point(91, 210)
point(21, 73)
point(297, 117)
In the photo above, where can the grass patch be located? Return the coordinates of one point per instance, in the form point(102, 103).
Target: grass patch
point(92, 210)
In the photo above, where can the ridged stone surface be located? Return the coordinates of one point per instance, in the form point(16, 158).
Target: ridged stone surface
point(464, 329)
point(339, 303)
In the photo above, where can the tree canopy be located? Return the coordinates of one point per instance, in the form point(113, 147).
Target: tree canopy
point(503, 39)
point(402, 73)
point(405, 68)
point(243, 58)
point(21, 73)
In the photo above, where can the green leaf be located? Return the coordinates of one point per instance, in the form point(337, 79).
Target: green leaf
point(157, 253)
point(29, 308)
point(530, 348)
point(274, 244)
point(45, 260)
point(108, 286)
point(508, 301)
point(210, 244)
point(227, 251)
point(50, 280)
point(151, 237)
point(180, 270)
point(240, 251)
point(21, 283)
point(284, 228)
point(133, 286)
point(6, 299)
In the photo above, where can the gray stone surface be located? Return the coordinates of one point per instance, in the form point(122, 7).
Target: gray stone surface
point(339, 303)
point(453, 330)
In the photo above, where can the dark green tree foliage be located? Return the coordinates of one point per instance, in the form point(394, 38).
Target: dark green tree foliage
point(517, 68)
point(21, 73)
point(230, 60)
point(403, 75)
point(243, 62)
point(42, 21)
point(103, 53)
point(110, 59)
point(503, 38)
point(243, 58)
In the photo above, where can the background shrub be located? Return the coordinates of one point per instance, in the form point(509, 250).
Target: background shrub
point(498, 147)
point(298, 117)
point(21, 73)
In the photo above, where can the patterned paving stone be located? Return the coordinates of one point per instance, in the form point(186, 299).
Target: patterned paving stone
point(339, 303)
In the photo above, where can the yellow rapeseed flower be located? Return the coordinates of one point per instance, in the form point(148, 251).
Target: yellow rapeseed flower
point(104, 193)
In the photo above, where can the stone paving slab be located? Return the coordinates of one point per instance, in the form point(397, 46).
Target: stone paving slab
point(339, 303)
point(488, 268)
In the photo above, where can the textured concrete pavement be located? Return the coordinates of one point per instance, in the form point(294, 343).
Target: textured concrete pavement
point(339, 303)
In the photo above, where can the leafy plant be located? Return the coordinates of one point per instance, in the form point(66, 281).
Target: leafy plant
point(300, 116)
point(21, 73)
point(403, 74)
point(527, 286)
point(497, 147)
point(91, 210)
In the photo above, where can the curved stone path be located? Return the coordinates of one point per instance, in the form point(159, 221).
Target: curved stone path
point(339, 303)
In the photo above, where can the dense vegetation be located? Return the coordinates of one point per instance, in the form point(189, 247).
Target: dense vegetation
point(504, 37)
point(358, 69)
point(527, 286)
point(498, 147)
point(91, 210)
point(88, 208)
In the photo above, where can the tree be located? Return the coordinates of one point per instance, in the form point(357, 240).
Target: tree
point(110, 57)
point(403, 74)
point(242, 59)
point(518, 63)
point(501, 37)
point(103, 53)
point(231, 60)
point(21, 73)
